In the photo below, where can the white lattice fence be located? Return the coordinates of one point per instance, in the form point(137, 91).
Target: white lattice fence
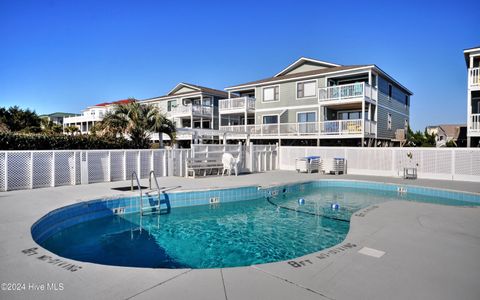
point(35, 169)
point(455, 164)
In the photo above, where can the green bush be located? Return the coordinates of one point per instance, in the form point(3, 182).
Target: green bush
point(14, 141)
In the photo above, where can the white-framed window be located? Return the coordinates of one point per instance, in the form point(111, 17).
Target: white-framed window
point(389, 121)
point(306, 117)
point(270, 119)
point(171, 104)
point(306, 89)
point(271, 93)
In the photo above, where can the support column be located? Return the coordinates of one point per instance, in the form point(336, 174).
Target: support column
point(363, 117)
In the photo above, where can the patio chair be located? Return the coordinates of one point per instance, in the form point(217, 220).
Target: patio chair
point(230, 163)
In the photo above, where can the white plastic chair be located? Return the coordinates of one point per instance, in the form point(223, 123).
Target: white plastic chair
point(230, 163)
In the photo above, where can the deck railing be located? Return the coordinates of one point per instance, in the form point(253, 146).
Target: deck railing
point(237, 103)
point(474, 77)
point(475, 123)
point(347, 92)
point(324, 128)
point(191, 109)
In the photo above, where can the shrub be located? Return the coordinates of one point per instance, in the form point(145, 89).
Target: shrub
point(14, 141)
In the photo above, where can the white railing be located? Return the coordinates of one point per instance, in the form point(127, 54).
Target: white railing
point(253, 158)
point(475, 123)
point(431, 163)
point(242, 103)
point(347, 92)
point(181, 110)
point(325, 128)
point(474, 77)
point(49, 168)
point(82, 118)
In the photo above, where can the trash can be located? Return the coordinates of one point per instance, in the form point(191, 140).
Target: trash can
point(308, 164)
point(338, 166)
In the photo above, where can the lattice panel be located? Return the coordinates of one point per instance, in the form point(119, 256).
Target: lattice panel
point(437, 161)
point(404, 161)
point(467, 162)
point(131, 162)
point(97, 166)
point(64, 168)
point(145, 163)
point(42, 169)
point(19, 170)
point(117, 166)
point(2, 171)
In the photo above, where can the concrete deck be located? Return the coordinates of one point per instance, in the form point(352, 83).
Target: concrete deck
point(431, 252)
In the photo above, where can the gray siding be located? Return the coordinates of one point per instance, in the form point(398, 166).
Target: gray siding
point(307, 66)
point(395, 105)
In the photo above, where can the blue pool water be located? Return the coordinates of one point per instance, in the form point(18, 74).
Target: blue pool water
point(272, 227)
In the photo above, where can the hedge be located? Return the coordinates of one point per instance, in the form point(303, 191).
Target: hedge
point(14, 141)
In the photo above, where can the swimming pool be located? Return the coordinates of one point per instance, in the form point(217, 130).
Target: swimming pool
point(243, 226)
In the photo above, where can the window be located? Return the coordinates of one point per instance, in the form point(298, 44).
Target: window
point(349, 115)
point(271, 94)
point(390, 92)
point(305, 117)
point(389, 121)
point(206, 124)
point(406, 100)
point(270, 119)
point(306, 89)
point(374, 80)
point(406, 125)
point(171, 104)
point(207, 102)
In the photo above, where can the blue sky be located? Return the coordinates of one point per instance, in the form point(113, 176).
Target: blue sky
point(66, 55)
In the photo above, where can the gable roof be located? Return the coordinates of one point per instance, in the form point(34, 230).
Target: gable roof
point(197, 88)
point(302, 60)
point(466, 54)
point(300, 74)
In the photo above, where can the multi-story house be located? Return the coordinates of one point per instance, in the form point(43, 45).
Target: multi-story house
point(57, 117)
point(91, 115)
point(316, 102)
point(472, 58)
point(191, 106)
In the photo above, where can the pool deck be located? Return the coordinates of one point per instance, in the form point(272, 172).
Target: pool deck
point(430, 252)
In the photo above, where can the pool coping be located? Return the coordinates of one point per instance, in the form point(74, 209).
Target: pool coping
point(268, 272)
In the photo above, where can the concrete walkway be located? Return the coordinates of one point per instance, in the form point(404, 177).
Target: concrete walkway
point(429, 252)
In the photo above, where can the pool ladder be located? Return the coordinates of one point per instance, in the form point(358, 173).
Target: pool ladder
point(150, 175)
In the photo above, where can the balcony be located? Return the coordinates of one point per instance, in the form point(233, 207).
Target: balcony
point(325, 129)
point(347, 92)
point(474, 126)
point(82, 118)
point(236, 105)
point(189, 110)
point(474, 78)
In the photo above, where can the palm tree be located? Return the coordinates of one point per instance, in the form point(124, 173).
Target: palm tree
point(137, 121)
point(72, 129)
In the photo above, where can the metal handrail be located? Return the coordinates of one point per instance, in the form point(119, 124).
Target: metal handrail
point(156, 184)
point(139, 188)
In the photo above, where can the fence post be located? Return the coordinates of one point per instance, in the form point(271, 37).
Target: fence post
point(164, 158)
point(53, 169)
point(74, 168)
point(31, 170)
point(6, 171)
point(109, 170)
point(124, 165)
point(277, 166)
point(453, 164)
point(139, 164)
point(252, 154)
point(394, 158)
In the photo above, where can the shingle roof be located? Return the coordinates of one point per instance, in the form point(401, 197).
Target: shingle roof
point(301, 74)
point(201, 88)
